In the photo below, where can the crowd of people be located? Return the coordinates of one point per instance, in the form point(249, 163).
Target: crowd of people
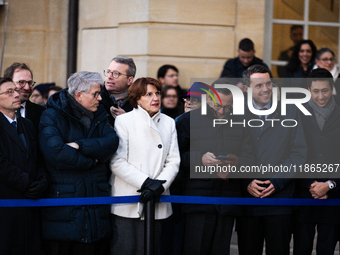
point(125, 137)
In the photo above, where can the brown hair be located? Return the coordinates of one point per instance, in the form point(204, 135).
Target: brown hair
point(9, 72)
point(139, 88)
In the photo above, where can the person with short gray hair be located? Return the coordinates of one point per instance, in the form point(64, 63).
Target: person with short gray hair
point(77, 141)
point(119, 76)
point(83, 81)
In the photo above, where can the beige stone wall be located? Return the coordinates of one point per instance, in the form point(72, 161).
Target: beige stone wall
point(37, 35)
point(197, 36)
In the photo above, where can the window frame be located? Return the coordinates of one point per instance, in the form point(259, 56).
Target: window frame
point(270, 21)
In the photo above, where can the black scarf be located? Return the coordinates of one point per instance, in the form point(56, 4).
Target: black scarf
point(85, 116)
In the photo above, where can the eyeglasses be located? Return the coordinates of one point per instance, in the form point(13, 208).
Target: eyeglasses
point(11, 92)
point(192, 100)
point(327, 59)
point(219, 107)
point(115, 74)
point(95, 94)
point(22, 83)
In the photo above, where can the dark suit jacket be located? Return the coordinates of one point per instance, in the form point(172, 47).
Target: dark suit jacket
point(233, 68)
point(196, 136)
point(18, 167)
point(275, 146)
point(33, 113)
point(323, 148)
point(337, 89)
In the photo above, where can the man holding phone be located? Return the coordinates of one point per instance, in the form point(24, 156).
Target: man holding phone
point(119, 76)
point(209, 227)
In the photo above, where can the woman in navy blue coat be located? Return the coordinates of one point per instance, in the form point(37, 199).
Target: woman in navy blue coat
point(77, 141)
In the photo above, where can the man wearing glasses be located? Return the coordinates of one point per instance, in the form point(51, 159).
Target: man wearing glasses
point(119, 76)
point(21, 176)
point(209, 228)
point(22, 77)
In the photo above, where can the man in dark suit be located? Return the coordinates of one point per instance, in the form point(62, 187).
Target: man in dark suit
point(20, 176)
point(274, 145)
point(322, 131)
point(22, 77)
point(234, 68)
point(208, 227)
point(119, 76)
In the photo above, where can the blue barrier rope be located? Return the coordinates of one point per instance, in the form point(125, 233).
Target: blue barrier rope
point(167, 199)
point(248, 201)
point(67, 201)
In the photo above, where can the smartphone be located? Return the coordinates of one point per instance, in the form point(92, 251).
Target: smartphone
point(114, 104)
point(221, 157)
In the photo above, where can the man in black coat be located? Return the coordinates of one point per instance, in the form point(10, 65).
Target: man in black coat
point(322, 131)
point(78, 143)
point(22, 77)
point(20, 176)
point(208, 227)
point(235, 67)
point(274, 145)
point(119, 76)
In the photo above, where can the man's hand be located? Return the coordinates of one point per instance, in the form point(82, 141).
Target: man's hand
point(36, 189)
point(116, 111)
point(254, 189)
point(269, 190)
point(232, 160)
point(318, 189)
point(73, 145)
point(208, 159)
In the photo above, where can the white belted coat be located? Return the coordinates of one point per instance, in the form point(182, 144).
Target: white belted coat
point(147, 148)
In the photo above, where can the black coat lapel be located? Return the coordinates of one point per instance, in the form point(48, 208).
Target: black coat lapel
point(11, 132)
point(23, 128)
point(333, 117)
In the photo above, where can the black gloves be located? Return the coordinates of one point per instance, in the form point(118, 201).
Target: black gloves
point(151, 189)
point(146, 196)
point(36, 189)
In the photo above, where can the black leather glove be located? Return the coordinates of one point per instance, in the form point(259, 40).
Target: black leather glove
point(151, 189)
point(36, 189)
point(146, 196)
point(153, 185)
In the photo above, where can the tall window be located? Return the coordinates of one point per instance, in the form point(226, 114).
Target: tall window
point(319, 20)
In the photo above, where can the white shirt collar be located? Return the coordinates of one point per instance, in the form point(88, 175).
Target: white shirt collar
point(259, 108)
point(10, 120)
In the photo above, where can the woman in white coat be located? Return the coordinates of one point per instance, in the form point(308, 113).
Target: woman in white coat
point(145, 164)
